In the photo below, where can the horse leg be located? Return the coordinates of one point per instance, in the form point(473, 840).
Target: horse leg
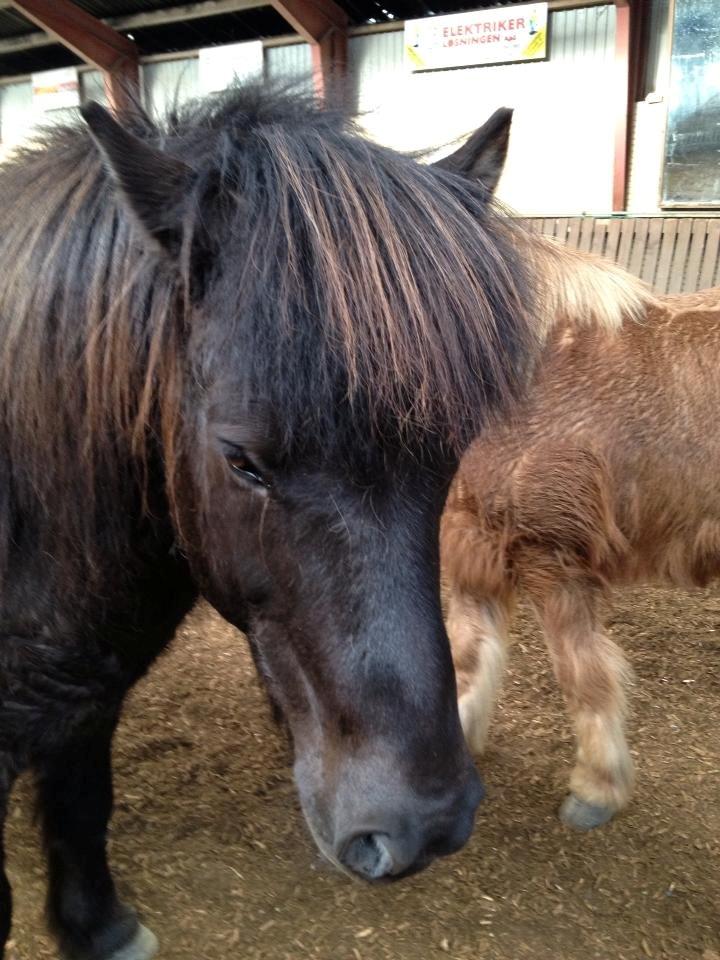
point(478, 630)
point(592, 674)
point(75, 804)
point(5, 901)
point(6, 778)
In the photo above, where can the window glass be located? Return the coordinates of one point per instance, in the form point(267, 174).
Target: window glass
point(692, 146)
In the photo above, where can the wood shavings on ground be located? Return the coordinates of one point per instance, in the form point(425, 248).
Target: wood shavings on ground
point(209, 843)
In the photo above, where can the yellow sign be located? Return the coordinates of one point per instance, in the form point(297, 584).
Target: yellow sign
point(497, 35)
point(536, 45)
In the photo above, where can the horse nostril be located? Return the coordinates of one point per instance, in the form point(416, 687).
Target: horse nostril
point(432, 827)
point(368, 855)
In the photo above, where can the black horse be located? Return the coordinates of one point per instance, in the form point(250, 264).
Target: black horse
point(239, 357)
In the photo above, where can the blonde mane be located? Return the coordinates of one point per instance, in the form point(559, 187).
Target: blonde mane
point(582, 289)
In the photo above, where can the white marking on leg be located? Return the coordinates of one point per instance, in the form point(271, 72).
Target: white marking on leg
point(143, 946)
point(478, 632)
point(477, 704)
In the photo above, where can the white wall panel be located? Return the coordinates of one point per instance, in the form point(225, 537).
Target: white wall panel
point(289, 63)
point(16, 116)
point(561, 152)
point(169, 83)
point(92, 86)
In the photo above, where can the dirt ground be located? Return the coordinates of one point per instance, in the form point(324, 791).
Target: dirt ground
point(209, 844)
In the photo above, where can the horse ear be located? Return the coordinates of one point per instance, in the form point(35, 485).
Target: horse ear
point(153, 183)
point(482, 156)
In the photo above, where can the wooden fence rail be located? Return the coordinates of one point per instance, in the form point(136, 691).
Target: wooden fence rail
point(672, 254)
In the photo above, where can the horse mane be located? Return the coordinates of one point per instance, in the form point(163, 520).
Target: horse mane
point(372, 301)
point(582, 289)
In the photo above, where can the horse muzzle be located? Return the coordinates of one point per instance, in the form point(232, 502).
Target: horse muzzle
point(391, 845)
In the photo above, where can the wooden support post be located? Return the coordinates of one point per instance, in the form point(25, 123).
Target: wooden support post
point(92, 41)
point(122, 87)
point(622, 103)
point(329, 62)
point(324, 25)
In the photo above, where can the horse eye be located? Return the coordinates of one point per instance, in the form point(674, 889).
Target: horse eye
point(241, 464)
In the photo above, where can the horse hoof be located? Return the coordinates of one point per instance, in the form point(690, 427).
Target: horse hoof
point(143, 946)
point(581, 815)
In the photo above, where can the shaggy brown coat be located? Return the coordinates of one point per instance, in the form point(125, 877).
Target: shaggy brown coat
point(606, 476)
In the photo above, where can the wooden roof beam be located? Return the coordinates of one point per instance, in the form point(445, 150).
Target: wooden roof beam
point(325, 27)
point(138, 21)
point(92, 41)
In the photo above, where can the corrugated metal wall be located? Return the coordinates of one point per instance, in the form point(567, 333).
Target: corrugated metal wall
point(289, 63)
point(164, 83)
point(168, 83)
point(17, 117)
point(92, 86)
point(561, 152)
point(15, 113)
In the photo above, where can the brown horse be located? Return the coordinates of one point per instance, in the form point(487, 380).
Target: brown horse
point(606, 475)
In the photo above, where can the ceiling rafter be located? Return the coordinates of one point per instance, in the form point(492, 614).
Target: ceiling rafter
point(136, 21)
point(90, 39)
